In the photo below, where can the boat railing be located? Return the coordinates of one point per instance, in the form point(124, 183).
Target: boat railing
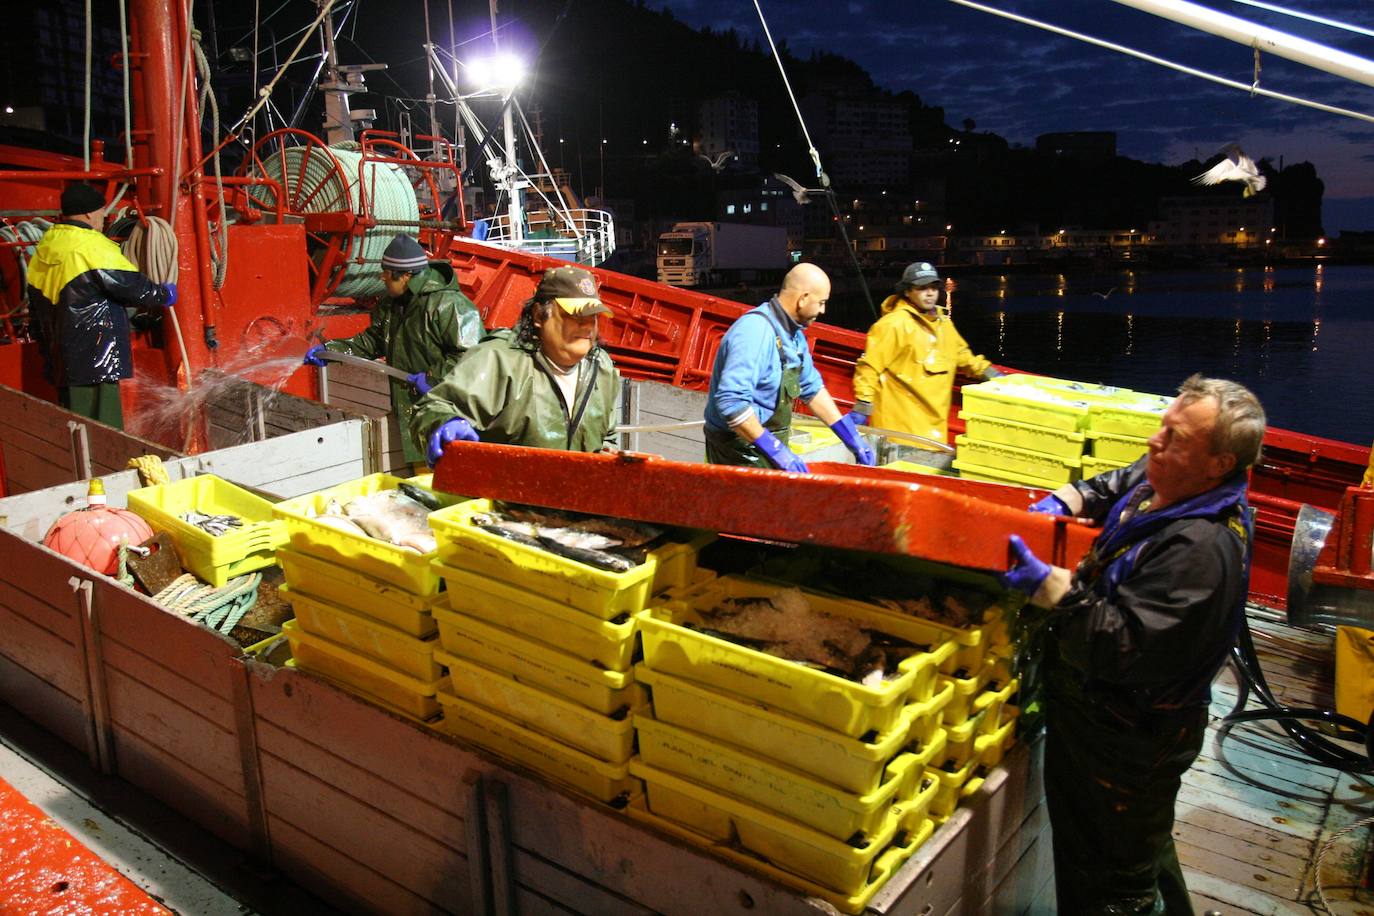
point(585, 236)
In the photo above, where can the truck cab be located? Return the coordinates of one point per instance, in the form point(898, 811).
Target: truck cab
point(682, 257)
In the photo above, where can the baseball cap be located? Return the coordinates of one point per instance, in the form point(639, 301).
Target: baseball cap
point(574, 289)
point(921, 273)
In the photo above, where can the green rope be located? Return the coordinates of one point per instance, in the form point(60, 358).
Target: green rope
point(218, 608)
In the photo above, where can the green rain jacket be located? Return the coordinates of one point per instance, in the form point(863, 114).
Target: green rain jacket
point(509, 397)
point(424, 330)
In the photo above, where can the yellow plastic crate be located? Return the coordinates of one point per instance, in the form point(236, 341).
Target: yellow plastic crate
point(762, 782)
point(293, 665)
point(1125, 449)
point(360, 594)
point(364, 676)
point(916, 810)
point(409, 654)
point(1061, 442)
point(537, 664)
point(947, 795)
point(609, 643)
point(992, 747)
point(1139, 417)
point(607, 738)
point(944, 644)
point(961, 705)
point(832, 863)
point(1091, 392)
point(992, 701)
point(912, 467)
point(852, 764)
point(960, 744)
point(1020, 461)
point(817, 696)
point(214, 559)
point(565, 765)
point(1023, 403)
point(1094, 466)
point(806, 439)
point(888, 862)
point(595, 591)
point(971, 470)
point(397, 566)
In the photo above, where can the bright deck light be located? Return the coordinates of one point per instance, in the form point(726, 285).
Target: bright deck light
point(504, 71)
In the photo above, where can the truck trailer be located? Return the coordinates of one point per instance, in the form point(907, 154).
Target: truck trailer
point(711, 254)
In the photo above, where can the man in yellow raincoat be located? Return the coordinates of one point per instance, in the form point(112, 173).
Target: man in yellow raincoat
point(905, 378)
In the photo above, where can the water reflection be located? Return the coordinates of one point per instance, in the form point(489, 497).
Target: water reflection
point(1261, 326)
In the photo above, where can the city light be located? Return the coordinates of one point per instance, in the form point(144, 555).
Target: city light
point(9, 109)
point(1321, 243)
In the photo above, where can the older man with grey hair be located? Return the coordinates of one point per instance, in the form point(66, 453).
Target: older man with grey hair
point(1134, 637)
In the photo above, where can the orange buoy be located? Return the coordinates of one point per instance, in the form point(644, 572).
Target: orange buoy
point(91, 536)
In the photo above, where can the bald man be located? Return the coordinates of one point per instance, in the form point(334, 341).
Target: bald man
point(762, 366)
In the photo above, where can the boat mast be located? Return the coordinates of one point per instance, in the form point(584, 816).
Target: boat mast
point(1261, 38)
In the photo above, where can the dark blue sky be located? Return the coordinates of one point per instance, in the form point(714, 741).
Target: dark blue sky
point(1020, 81)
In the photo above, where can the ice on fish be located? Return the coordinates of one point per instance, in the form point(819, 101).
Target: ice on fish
point(388, 515)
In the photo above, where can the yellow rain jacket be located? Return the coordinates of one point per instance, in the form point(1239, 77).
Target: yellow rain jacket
point(907, 369)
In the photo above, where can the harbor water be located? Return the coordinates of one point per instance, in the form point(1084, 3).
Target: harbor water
point(1300, 337)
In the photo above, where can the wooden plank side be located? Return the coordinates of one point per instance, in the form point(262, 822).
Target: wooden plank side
point(418, 812)
point(1244, 899)
point(196, 654)
point(55, 710)
point(354, 829)
point(25, 472)
point(340, 880)
point(1191, 794)
point(38, 650)
point(549, 888)
point(264, 464)
point(1225, 860)
point(318, 713)
point(204, 750)
point(157, 771)
point(48, 604)
point(1242, 830)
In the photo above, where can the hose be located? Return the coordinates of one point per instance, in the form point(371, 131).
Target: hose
point(29, 231)
point(312, 184)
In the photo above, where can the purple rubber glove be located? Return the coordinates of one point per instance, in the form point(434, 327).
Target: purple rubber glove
point(313, 358)
point(1050, 505)
point(779, 455)
point(1027, 572)
point(861, 412)
point(171, 290)
point(455, 430)
point(420, 381)
point(844, 428)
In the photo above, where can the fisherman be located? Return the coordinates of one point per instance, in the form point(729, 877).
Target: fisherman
point(1135, 636)
point(79, 283)
point(545, 383)
point(762, 366)
point(905, 378)
point(422, 328)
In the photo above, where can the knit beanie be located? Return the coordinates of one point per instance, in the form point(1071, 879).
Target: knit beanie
point(80, 198)
point(404, 256)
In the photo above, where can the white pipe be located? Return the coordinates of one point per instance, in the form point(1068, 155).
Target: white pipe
point(1262, 38)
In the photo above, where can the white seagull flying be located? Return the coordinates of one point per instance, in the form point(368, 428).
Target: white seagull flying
point(1243, 169)
point(717, 163)
point(803, 195)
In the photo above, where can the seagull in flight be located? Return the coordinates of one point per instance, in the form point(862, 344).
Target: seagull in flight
point(1104, 296)
point(1242, 169)
point(803, 195)
point(718, 163)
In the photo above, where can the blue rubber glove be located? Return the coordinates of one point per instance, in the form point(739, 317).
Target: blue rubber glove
point(455, 430)
point(171, 289)
point(312, 356)
point(780, 455)
point(1027, 571)
point(861, 412)
point(1050, 505)
point(844, 428)
point(420, 381)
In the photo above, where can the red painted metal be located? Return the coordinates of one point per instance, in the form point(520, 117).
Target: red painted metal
point(947, 520)
point(1346, 559)
point(47, 870)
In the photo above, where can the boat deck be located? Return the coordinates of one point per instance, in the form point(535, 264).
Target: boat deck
point(1254, 812)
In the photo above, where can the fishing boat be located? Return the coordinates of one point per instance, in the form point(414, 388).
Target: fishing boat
point(304, 776)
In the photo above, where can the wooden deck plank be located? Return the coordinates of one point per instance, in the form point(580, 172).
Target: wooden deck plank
point(1243, 830)
point(1242, 899)
point(1253, 876)
point(1254, 854)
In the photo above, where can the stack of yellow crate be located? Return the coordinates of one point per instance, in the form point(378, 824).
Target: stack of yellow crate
point(364, 608)
point(822, 782)
point(540, 650)
point(1047, 432)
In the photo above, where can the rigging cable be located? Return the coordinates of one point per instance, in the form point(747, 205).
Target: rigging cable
point(816, 159)
point(1321, 20)
point(86, 127)
point(124, 73)
point(1181, 68)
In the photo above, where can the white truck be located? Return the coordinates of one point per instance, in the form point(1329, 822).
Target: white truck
point(711, 254)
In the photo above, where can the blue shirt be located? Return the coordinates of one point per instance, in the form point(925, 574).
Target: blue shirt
point(748, 369)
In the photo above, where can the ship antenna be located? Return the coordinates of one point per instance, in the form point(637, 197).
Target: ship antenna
point(816, 159)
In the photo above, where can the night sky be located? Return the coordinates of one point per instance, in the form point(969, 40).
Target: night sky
point(1019, 81)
